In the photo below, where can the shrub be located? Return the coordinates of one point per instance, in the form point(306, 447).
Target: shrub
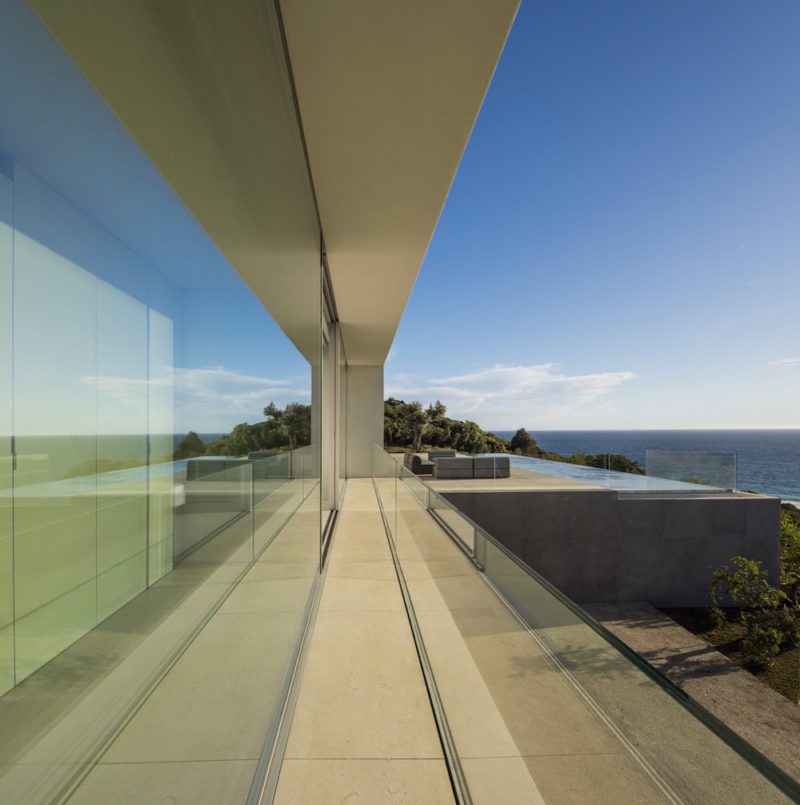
point(790, 553)
point(771, 620)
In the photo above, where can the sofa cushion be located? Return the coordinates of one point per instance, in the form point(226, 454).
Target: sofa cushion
point(417, 464)
point(492, 467)
point(457, 467)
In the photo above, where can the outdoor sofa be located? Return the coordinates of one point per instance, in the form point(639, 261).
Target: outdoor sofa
point(461, 467)
point(417, 464)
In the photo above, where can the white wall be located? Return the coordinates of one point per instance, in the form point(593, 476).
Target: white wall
point(364, 417)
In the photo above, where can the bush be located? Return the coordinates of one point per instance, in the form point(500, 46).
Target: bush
point(771, 620)
point(761, 645)
point(790, 552)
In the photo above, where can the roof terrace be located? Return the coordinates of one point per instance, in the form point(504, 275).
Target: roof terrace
point(528, 699)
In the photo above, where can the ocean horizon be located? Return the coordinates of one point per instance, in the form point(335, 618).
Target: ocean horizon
point(767, 460)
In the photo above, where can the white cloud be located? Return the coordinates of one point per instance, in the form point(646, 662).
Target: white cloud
point(793, 361)
point(212, 399)
point(207, 399)
point(506, 396)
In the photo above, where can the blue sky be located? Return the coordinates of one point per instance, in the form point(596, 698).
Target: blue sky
point(621, 245)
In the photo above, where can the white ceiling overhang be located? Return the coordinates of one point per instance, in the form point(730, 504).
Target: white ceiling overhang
point(388, 93)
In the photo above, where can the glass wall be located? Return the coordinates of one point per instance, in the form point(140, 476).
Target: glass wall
point(6, 460)
point(159, 438)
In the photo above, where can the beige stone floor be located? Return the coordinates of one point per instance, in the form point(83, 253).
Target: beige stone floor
point(522, 733)
point(198, 737)
point(556, 717)
point(526, 729)
point(362, 730)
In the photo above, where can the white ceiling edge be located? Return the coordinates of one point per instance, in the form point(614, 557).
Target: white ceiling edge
point(388, 95)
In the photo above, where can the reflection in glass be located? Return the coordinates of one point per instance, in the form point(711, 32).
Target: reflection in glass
point(55, 422)
point(159, 438)
point(160, 405)
point(6, 460)
point(122, 510)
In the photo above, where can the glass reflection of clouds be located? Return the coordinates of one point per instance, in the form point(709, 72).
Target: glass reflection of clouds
point(216, 376)
point(122, 328)
point(112, 362)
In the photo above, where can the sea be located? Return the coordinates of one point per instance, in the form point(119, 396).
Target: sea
point(767, 461)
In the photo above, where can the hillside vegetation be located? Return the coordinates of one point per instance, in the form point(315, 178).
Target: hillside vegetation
point(411, 427)
point(283, 429)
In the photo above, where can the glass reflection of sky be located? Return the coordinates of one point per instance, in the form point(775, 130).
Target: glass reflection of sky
point(106, 220)
point(228, 358)
point(121, 326)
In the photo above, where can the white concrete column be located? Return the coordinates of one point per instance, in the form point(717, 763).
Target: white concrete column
point(364, 417)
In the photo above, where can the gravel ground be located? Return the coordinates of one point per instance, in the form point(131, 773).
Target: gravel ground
point(764, 718)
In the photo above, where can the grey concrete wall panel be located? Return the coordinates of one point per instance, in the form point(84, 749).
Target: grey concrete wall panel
point(596, 546)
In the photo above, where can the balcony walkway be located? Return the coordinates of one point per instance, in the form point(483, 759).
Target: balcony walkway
point(553, 714)
point(363, 726)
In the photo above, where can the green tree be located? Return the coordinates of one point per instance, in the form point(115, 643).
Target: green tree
point(297, 421)
point(769, 618)
point(286, 428)
point(243, 439)
point(291, 426)
point(437, 432)
point(468, 437)
point(409, 425)
point(393, 423)
point(524, 444)
point(415, 422)
point(436, 412)
point(190, 446)
point(790, 554)
point(494, 444)
point(613, 461)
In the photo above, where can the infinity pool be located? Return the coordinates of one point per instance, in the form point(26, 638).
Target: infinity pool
point(610, 479)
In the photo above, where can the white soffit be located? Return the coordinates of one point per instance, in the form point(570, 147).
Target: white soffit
point(202, 86)
point(388, 93)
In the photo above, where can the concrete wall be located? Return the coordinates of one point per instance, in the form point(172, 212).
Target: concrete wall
point(364, 417)
point(595, 546)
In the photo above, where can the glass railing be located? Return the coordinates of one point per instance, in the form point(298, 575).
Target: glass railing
point(696, 467)
point(604, 535)
point(698, 472)
point(222, 516)
point(211, 502)
point(540, 699)
point(651, 482)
